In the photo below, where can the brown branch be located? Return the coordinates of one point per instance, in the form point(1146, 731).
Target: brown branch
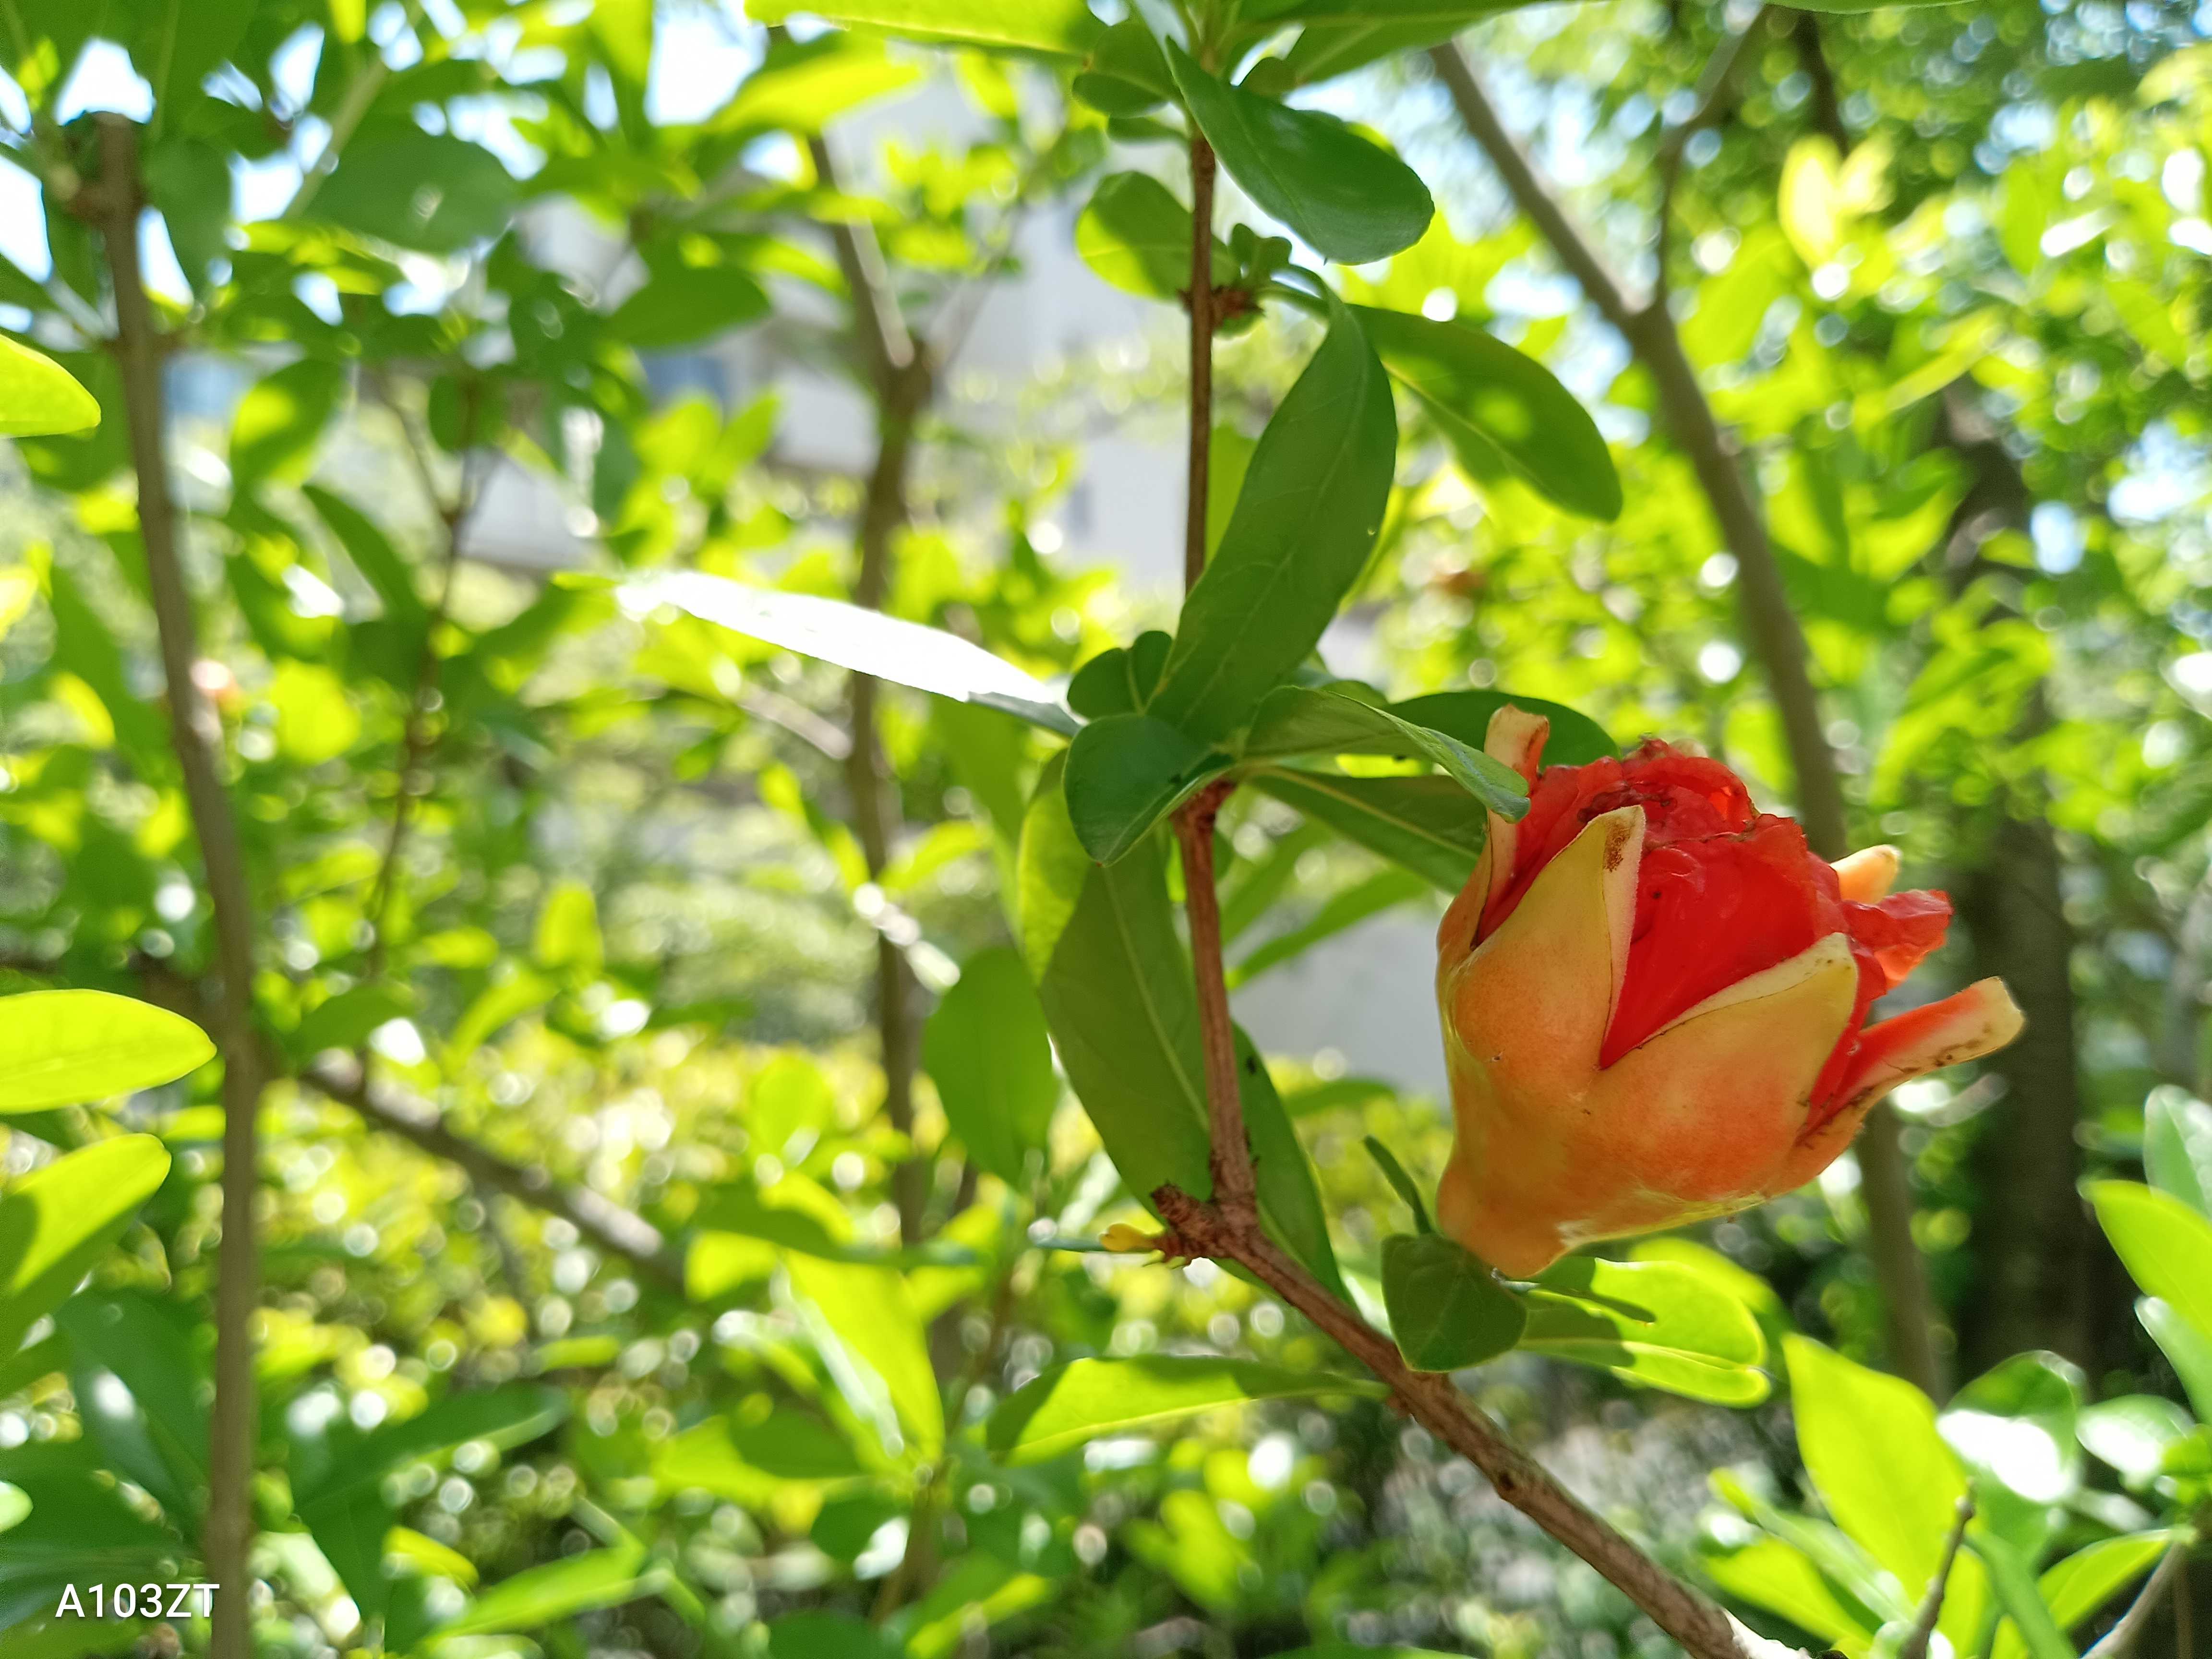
point(901, 376)
point(1199, 298)
point(114, 205)
point(1827, 110)
point(1234, 1189)
point(1715, 91)
point(1431, 1399)
point(620, 1231)
point(1770, 627)
point(1915, 1646)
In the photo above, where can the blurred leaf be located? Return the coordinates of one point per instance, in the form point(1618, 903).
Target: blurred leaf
point(2012, 1579)
point(2084, 1581)
point(802, 87)
point(316, 721)
point(14, 1505)
point(1871, 1448)
point(2165, 1245)
point(989, 1053)
point(280, 421)
point(2014, 1427)
point(1780, 1577)
point(138, 1387)
point(1494, 402)
point(829, 1636)
point(1312, 502)
point(345, 1020)
point(419, 190)
point(57, 1221)
point(872, 1315)
point(2133, 1433)
point(1073, 1404)
point(1382, 891)
point(568, 938)
point(1059, 27)
point(2187, 1348)
point(38, 395)
point(1126, 74)
point(866, 642)
point(1651, 1322)
point(688, 304)
point(1136, 235)
point(539, 1596)
point(1447, 1309)
point(69, 1048)
point(2178, 1147)
point(1347, 199)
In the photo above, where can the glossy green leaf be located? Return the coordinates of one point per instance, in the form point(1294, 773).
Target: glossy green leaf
point(1125, 773)
point(345, 1020)
point(14, 1505)
point(138, 1384)
point(280, 421)
point(58, 1220)
point(1575, 740)
point(2178, 1147)
point(1136, 235)
point(1447, 1309)
point(1346, 198)
point(1120, 679)
point(1870, 1592)
point(1062, 27)
point(2012, 1576)
point(1651, 1322)
point(871, 1314)
point(2014, 1428)
point(864, 641)
point(418, 190)
point(802, 86)
point(1119, 999)
point(1073, 1404)
point(1297, 720)
point(1780, 1577)
point(38, 396)
point(1431, 825)
point(686, 305)
point(539, 1596)
point(1871, 1448)
point(987, 1051)
point(1495, 404)
point(1304, 524)
point(2133, 1433)
point(2187, 1348)
point(2084, 1581)
point(1126, 74)
point(2165, 1244)
point(67, 1047)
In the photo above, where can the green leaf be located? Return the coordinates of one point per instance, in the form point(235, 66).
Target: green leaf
point(1653, 1322)
point(1383, 891)
point(1119, 680)
point(871, 1314)
point(373, 556)
point(138, 1384)
point(1063, 27)
point(2014, 1428)
point(829, 1636)
point(1135, 236)
point(1447, 1309)
point(1126, 74)
point(418, 190)
point(2178, 1147)
point(1495, 404)
point(2133, 1433)
point(38, 396)
point(1073, 1404)
point(345, 1020)
point(1872, 1593)
point(539, 1596)
point(1348, 199)
point(68, 1048)
point(2187, 1348)
point(1770, 1573)
point(280, 420)
point(1122, 1008)
point(57, 1221)
point(1297, 720)
point(1872, 1450)
point(2165, 1245)
point(1575, 740)
point(14, 1505)
point(2012, 1579)
point(316, 720)
point(687, 304)
point(567, 939)
point(514, 1415)
point(1431, 825)
point(866, 641)
point(1126, 773)
point(1307, 517)
point(802, 86)
point(189, 181)
point(2078, 1586)
point(987, 1051)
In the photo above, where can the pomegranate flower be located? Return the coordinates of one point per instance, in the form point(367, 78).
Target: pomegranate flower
point(1654, 1002)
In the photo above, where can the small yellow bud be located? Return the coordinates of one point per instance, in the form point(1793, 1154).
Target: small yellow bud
point(1124, 1240)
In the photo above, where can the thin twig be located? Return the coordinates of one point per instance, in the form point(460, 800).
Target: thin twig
point(1234, 1188)
point(621, 1231)
point(113, 205)
point(1770, 629)
point(360, 92)
point(2124, 1635)
point(1200, 297)
point(1915, 1646)
point(1715, 90)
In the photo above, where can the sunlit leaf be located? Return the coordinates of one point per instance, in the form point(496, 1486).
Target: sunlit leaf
point(1075, 1403)
point(38, 395)
point(66, 1047)
point(57, 1221)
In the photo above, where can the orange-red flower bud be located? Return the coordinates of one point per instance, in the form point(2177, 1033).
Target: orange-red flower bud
point(1654, 1001)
